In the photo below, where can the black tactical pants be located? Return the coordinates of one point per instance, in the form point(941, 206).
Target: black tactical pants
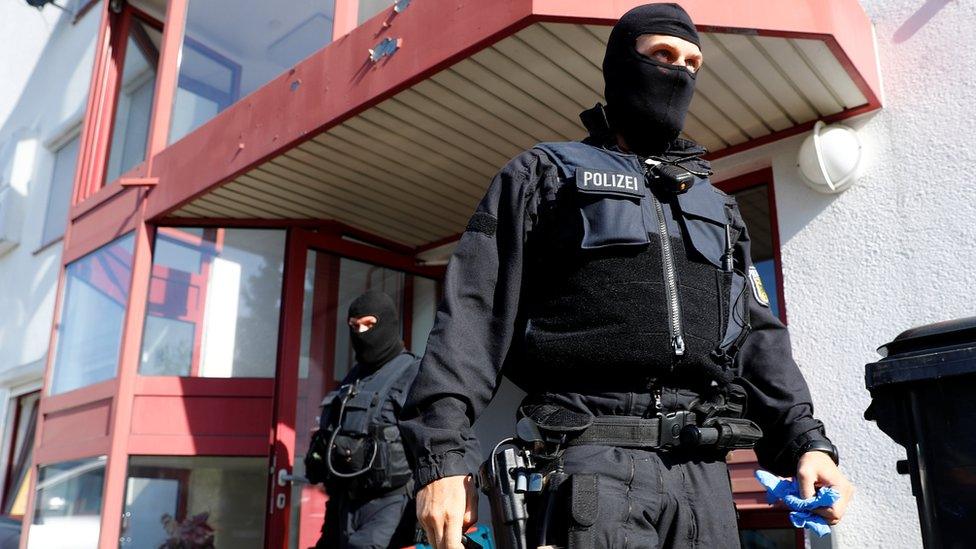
point(628, 498)
point(625, 498)
point(384, 522)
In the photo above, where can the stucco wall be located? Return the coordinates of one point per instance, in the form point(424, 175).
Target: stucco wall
point(896, 250)
point(52, 58)
point(25, 31)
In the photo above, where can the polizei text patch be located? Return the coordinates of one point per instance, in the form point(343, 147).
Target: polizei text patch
point(593, 181)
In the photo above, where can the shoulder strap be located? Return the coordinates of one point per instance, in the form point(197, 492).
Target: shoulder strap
point(392, 374)
point(570, 155)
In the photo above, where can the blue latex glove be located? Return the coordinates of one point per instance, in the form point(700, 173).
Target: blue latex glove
point(787, 491)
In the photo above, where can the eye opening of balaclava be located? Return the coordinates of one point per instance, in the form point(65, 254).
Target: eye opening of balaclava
point(647, 100)
point(381, 343)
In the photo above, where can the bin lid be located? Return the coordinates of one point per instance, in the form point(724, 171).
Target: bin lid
point(926, 352)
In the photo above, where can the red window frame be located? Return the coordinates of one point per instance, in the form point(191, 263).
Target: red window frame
point(103, 97)
point(763, 178)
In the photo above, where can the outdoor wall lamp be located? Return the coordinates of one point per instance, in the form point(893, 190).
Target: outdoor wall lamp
point(829, 158)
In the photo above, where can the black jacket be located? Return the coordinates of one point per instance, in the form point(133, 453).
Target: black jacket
point(483, 328)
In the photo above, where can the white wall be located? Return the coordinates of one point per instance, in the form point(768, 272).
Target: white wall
point(896, 250)
point(49, 63)
point(25, 31)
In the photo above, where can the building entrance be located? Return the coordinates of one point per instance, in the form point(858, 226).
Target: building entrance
point(323, 274)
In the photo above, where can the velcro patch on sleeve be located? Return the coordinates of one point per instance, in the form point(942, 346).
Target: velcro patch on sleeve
point(482, 222)
point(600, 182)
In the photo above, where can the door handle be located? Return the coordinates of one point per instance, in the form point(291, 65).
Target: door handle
point(284, 478)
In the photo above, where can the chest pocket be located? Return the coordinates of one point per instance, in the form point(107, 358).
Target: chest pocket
point(610, 207)
point(356, 417)
point(707, 229)
point(704, 217)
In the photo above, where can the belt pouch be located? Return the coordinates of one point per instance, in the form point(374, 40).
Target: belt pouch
point(584, 510)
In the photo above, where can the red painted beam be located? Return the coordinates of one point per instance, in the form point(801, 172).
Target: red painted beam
point(330, 86)
point(338, 82)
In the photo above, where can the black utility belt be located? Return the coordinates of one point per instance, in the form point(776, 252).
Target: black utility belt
point(667, 431)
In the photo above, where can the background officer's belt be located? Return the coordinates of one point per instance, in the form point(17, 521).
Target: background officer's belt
point(635, 432)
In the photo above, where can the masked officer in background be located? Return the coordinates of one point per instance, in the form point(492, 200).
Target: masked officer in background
point(613, 283)
point(357, 451)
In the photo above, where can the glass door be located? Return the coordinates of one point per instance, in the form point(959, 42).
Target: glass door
point(328, 274)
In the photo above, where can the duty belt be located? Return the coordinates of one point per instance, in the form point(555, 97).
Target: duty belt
point(669, 431)
point(663, 431)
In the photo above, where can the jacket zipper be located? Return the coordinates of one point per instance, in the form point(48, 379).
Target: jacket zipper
point(670, 280)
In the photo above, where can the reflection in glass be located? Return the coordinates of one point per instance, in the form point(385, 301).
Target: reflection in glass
point(134, 107)
point(96, 287)
point(68, 505)
point(233, 47)
point(193, 501)
point(214, 300)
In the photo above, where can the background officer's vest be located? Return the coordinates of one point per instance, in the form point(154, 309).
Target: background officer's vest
point(595, 296)
point(363, 443)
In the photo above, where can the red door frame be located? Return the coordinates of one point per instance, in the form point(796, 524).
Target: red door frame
point(299, 242)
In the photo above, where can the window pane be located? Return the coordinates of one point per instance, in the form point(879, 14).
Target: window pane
point(195, 502)
point(754, 205)
point(233, 47)
point(369, 8)
point(134, 108)
point(20, 436)
point(68, 505)
point(214, 301)
point(773, 538)
point(96, 287)
point(59, 192)
point(424, 308)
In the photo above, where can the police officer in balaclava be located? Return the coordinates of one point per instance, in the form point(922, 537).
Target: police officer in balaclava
point(613, 283)
point(357, 452)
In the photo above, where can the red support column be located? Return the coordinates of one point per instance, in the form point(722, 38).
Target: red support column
point(282, 433)
point(118, 458)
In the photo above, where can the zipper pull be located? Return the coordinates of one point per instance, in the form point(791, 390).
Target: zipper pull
point(678, 344)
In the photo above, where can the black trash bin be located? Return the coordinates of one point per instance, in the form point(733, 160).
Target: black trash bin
point(924, 398)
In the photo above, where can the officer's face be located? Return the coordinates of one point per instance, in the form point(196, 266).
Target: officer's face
point(363, 323)
point(671, 50)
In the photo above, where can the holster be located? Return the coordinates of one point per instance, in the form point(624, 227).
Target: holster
point(499, 481)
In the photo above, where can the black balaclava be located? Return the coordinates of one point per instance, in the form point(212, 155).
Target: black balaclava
point(381, 343)
point(647, 100)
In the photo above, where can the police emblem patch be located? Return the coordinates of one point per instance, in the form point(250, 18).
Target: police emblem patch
point(757, 287)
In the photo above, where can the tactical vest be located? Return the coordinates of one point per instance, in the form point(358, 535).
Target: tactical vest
point(628, 279)
point(354, 445)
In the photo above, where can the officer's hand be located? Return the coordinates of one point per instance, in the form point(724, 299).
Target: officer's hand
point(816, 470)
point(446, 508)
